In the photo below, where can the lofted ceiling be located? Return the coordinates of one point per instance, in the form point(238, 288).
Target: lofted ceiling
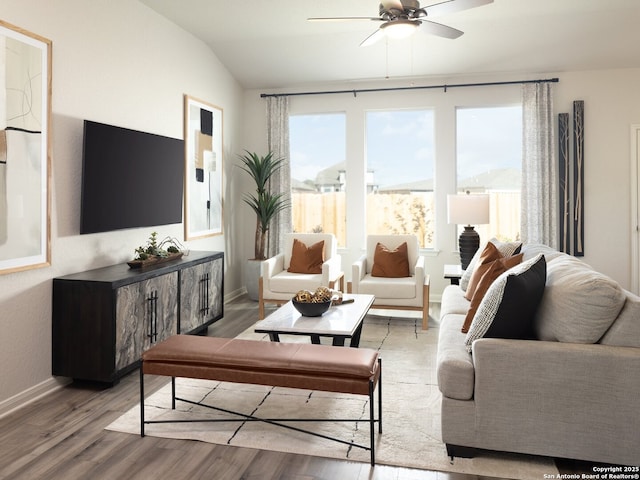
point(269, 44)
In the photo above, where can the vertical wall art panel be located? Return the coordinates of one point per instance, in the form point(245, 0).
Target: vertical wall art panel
point(564, 213)
point(203, 169)
point(578, 178)
point(25, 158)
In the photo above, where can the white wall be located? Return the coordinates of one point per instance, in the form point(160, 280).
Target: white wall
point(612, 104)
point(117, 62)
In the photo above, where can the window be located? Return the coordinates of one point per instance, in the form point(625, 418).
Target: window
point(318, 173)
point(489, 160)
point(400, 173)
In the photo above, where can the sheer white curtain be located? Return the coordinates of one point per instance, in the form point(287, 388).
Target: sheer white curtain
point(278, 143)
point(539, 216)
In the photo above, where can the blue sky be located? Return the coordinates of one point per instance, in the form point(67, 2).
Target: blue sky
point(400, 144)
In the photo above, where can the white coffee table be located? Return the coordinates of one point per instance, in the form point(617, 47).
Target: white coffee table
point(339, 322)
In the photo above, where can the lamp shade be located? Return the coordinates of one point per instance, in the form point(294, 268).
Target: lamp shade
point(468, 209)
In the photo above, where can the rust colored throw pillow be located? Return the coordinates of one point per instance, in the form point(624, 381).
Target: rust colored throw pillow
point(306, 259)
point(489, 255)
point(496, 268)
point(390, 263)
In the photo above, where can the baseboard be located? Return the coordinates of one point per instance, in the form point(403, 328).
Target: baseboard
point(235, 294)
point(30, 395)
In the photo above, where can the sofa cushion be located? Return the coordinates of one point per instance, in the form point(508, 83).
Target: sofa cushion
point(509, 306)
point(390, 263)
point(454, 364)
point(453, 301)
point(306, 259)
point(625, 331)
point(530, 250)
point(496, 268)
point(579, 304)
point(506, 249)
point(489, 255)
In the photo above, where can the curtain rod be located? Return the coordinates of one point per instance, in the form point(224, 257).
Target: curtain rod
point(388, 89)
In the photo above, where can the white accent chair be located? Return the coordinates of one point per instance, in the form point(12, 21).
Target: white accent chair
point(277, 285)
point(407, 293)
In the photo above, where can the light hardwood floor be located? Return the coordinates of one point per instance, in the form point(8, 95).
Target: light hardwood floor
point(62, 436)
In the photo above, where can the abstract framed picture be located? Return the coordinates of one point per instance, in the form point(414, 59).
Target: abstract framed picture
point(25, 153)
point(203, 195)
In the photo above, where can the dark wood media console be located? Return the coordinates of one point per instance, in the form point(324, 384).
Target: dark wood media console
point(104, 319)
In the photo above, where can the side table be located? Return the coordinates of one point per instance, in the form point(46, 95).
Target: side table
point(453, 273)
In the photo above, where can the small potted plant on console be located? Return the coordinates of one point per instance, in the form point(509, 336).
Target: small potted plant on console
point(155, 252)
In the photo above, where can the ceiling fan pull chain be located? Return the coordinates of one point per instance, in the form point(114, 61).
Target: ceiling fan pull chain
point(386, 58)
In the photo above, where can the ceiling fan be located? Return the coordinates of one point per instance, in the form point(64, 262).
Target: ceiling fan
point(401, 18)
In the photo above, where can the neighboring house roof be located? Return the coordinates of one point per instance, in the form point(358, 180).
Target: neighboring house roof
point(331, 175)
point(306, 186)
point(492, 180)
point(417, 186)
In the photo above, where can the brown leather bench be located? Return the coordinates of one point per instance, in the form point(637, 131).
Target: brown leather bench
point(293, 365)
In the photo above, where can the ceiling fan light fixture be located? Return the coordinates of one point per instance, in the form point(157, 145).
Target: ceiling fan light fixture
point(400, 28)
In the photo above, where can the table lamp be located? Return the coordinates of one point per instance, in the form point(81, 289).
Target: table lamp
point(468, 210)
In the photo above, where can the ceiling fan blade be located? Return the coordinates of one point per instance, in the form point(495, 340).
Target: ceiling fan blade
point(373, 38)
point(392, 5)
point(342, 19)
point(439, 30)
point(451, 6)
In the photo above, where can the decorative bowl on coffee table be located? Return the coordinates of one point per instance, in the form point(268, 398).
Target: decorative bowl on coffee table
point(311, 309)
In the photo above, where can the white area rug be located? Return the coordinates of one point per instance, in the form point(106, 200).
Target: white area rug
point(410, 418)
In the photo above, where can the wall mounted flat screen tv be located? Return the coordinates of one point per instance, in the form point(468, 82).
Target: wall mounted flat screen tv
point(129, 179)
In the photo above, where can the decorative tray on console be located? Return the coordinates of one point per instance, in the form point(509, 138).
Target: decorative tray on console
point(154, 260)
point(154, 252)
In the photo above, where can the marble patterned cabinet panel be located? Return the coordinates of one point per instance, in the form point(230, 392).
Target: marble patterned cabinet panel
point(146, 313)
point(200, 295)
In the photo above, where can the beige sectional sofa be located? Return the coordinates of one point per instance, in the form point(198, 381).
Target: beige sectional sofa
point(573, 391)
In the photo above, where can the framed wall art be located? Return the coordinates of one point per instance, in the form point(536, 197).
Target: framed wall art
point(564, 213)
point(203, 193)
point(578, 178)
point(25, 153)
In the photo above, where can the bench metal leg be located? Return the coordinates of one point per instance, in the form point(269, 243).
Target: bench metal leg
point(372, 424)
point(141, 402)
point(379, 395)
point(372, 419)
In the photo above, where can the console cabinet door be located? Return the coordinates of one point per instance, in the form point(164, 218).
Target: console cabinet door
point(200, 295)
point(146, 313)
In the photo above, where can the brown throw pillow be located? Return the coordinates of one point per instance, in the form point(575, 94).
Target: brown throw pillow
point(390, 263)
point(496, 268)
point(306, 260)
point(489, 255)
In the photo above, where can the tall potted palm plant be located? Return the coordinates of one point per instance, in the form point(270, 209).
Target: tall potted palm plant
point(266, 206)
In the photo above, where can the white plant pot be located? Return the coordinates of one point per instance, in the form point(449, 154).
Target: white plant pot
point(251, 276)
